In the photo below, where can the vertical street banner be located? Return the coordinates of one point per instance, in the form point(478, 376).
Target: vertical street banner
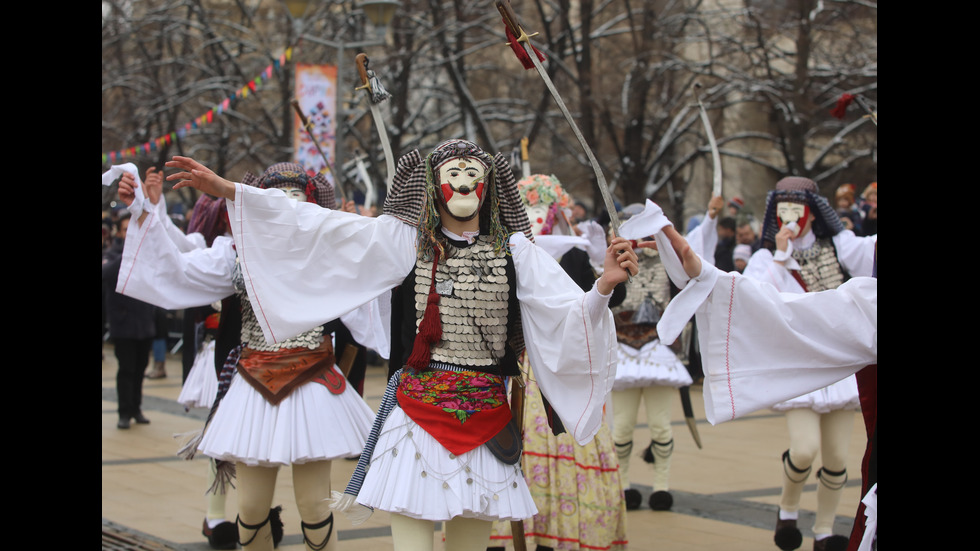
point(316, 92)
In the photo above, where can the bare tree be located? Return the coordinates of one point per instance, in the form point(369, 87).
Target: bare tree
point(771, 72)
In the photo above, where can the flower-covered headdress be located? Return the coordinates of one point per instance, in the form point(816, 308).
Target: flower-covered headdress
point(539, 190)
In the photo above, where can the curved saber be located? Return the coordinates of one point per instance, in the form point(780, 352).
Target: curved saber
point(871, 113)
point(369, 193)
point(715, 155)
point(689, 414)
point(308, 126)
point(371, 84)
point(517, 34)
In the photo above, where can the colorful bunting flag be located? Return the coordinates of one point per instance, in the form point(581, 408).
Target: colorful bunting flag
point(207, 118)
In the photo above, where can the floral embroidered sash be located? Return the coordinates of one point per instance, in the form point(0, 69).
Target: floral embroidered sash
point(461, 410)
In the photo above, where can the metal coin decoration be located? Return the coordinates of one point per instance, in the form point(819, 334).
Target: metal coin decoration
point(444, 288)
point(819, 266)
point(474, 291)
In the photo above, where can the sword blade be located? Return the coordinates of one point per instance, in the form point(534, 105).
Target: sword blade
point(600, 178)
point(715, 155)
point(385, 144)
point(689, 414)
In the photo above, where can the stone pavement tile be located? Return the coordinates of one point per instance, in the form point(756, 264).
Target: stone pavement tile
point(725, 494)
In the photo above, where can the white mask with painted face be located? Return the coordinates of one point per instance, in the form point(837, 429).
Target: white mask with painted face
point(538, 215)
point(462, 183)
point(789, 212)
point(295, 194)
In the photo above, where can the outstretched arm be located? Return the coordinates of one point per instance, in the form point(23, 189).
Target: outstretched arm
point(689, 259)
point(194, 174)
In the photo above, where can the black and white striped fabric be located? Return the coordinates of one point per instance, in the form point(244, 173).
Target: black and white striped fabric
point(284, 175)
point(388, 402)
point(408, 198)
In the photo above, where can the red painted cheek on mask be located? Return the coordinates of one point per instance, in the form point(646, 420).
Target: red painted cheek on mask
point(447, 192)
point(479, 190)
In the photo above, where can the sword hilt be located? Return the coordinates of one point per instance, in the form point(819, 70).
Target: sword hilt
point(302, 116)
point(510, 19)
point(362, 62)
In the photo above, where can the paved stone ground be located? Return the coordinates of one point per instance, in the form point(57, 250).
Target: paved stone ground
point(725, 495)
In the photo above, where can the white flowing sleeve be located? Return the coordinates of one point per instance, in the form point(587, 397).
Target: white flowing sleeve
point(370, 324)
point(156, 270)
point(760, 347)
point(304, 265)
point(570, 339)
point(856, 254)
point(183, 242)
point(763, 267)
point(558, 245)
point(596, 248)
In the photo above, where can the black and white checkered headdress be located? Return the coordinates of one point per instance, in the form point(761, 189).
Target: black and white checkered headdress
point(414, 190)
point(796, 189)
point(291, 175)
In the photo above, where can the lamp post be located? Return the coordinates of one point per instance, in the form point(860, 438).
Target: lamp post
point(380, 13)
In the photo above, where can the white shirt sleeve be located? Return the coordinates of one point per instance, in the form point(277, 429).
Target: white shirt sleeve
point(760, 347)
point(856, 254)
point(570, 339)
point(305, 265)
point(596, 248)
point(704, 239)
point(762, 266)
point(156, 270)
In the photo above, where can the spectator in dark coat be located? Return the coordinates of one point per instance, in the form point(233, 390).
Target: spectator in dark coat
point(132, 326)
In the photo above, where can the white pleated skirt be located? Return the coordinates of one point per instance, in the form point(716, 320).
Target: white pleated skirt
point(201, 386)
point(653, 364)
point(841, 395)
point(310, 424)
point(412, 474)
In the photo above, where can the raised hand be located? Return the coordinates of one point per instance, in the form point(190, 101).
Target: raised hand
point(127, 188)
point(153, 185)
point(194, 174)
point(715, 205)
point(786, 234)
point(619, 264)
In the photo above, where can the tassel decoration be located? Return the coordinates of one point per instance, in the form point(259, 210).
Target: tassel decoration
point(188, 443)
point(519, 50)
point(347, 504)
point(841, 108)
point(224, 476)
point(430, 329)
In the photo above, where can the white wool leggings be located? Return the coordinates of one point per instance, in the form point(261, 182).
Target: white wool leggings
point(256, 486)
point(811, 432)
point(216, 500)
point(657, 400)
point(462, 534)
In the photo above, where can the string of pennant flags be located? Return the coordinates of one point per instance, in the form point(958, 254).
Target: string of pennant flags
point(253, 86)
